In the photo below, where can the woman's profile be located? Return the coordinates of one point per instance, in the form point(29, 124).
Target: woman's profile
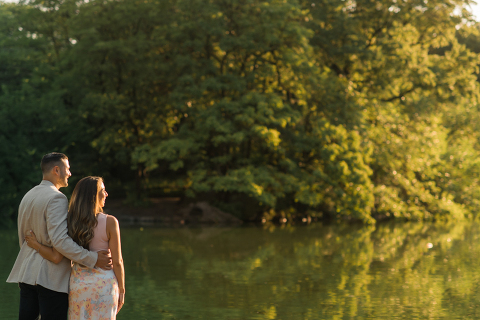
point(93, 293)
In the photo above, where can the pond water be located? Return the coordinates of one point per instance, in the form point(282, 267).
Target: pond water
point(390, 271)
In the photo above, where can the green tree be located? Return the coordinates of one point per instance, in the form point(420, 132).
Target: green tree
point(414, 86)
point(352, 110)
point(246, 133)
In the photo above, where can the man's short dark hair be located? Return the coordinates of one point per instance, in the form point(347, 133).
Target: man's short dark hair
point(50, 160)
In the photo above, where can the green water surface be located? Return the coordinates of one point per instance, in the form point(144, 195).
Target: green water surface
point(391, 271)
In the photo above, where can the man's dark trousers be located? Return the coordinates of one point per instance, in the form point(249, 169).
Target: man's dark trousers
point(37, 300)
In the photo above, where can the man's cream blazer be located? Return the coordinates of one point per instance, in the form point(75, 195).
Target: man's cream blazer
point(44, 210)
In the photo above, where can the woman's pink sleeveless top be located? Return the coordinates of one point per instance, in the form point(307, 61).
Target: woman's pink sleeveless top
point(100, 239)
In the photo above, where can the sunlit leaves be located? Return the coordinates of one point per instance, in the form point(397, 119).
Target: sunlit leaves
point(348, 110)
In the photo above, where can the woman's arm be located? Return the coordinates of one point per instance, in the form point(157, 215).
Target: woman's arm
point(48, 253)
point(113, 233)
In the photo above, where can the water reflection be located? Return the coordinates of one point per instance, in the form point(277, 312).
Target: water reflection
point(404, 271)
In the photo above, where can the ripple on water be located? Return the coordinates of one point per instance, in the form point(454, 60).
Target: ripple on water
point(402, 271)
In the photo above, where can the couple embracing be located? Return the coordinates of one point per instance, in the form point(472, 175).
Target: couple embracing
point(94, 287)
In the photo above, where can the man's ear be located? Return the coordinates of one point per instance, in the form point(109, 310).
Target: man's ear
point(56, 170)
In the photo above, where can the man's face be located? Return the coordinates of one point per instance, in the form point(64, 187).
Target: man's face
point(64, 173)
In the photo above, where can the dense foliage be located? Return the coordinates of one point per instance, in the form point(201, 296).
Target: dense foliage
point(336, 109)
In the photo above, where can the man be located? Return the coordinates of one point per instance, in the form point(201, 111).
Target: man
point(44, 284)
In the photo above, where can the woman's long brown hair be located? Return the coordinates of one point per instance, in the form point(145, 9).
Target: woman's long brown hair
point(82, 210)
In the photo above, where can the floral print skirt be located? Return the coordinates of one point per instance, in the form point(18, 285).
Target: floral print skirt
point(93, 294)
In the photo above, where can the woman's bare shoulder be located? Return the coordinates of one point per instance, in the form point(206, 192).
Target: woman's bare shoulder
point(112, 222)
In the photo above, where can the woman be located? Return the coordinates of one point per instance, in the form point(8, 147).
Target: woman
point(94, 293)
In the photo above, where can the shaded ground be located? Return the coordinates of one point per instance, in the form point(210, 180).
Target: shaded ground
point(169, 211)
